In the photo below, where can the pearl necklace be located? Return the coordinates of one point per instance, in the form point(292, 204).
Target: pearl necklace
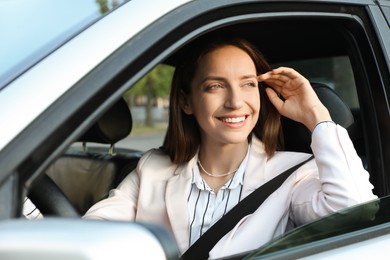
point(216, 175)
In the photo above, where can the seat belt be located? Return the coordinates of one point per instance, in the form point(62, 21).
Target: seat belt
point(201, 248)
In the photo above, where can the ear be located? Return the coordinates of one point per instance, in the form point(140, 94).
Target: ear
point(185, 103)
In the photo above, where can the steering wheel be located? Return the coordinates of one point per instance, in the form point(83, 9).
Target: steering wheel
point(50, 199)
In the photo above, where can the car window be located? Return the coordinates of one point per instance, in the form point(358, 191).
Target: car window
point(32, 29)
point(356, 218)
point(148, 101)
point(336, 72)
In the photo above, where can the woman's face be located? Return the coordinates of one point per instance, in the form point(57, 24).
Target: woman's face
point(225, 98)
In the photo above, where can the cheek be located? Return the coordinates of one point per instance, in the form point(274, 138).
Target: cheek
point(194, 104)
point(205, 113)
point(204, 108)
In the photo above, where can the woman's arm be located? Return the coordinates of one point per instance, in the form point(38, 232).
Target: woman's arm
point(121, 202)
point(343, 181)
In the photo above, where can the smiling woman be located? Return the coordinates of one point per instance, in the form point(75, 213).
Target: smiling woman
point(221, 143)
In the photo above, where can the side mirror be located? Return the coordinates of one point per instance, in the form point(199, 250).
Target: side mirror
point(65, 238)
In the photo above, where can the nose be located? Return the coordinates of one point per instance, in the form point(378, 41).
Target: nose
point(234, 98)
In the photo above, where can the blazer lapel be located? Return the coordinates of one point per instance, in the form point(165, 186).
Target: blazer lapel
point(255, 170)
point(178, 188)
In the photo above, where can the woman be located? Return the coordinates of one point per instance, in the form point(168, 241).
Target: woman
point(222, 143)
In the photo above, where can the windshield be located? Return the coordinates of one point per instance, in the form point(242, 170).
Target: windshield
point(362, 216)
point(32, 29)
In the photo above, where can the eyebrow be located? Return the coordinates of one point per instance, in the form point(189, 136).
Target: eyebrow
point(249, 76)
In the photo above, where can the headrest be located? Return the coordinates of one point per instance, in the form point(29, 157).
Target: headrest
point(298, 138)
point(112, 127)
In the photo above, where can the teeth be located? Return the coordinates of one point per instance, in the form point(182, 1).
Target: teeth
point(233, 119)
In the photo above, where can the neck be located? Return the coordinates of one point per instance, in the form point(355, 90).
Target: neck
point(222, 158)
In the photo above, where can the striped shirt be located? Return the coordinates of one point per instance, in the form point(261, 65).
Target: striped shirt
point(205, 207)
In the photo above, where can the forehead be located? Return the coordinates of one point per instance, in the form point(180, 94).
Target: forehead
point(226, 58)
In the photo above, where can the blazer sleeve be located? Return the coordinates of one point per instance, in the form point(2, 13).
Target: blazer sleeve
point(121, 203)
point(338, 180)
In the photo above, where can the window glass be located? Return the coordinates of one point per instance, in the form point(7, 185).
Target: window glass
point(32, 29)
point(386, 11)
point(335, 72)
point(356, 218)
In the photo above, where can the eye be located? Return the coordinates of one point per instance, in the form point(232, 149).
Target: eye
point(250, 84)
point(214, 86)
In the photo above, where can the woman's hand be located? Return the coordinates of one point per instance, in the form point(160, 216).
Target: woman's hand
point(300, 101)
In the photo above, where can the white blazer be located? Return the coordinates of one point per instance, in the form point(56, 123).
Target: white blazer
point(157, 190)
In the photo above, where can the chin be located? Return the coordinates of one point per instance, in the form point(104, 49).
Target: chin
point(236, 140)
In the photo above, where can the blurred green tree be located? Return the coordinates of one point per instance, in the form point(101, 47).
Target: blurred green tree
point(155, 84)
point(106, 5)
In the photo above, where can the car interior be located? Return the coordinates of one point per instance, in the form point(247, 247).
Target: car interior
point(85, 176)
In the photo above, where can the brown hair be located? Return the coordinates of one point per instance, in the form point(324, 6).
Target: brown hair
point(183, 135)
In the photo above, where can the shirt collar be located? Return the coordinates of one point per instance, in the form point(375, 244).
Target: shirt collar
point(237, 179)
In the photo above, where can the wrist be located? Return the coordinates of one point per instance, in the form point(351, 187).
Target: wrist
point(323, 122)
point(317, 117)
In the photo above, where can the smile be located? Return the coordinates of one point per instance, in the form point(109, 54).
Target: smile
point(233, 119)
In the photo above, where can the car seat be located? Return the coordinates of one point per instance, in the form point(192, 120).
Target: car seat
point(298, 138)
point(86, 174)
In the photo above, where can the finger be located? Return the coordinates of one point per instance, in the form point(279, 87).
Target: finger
point(279, 80)
point(275, 83)
point(289, 72)
point(281, 77)
point(274, 98)
point(272, 75)
point(265, 76)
